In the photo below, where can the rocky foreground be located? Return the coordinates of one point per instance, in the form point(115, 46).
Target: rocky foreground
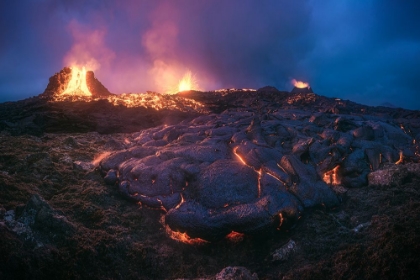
point(59, 219)
point(220, 185)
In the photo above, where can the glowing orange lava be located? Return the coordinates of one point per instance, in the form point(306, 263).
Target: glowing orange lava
point(300, 84)
point(238, 156)
point(331, 177)
point(77, 84)
point(184, 238)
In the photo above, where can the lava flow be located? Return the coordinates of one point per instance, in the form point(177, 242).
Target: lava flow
point(188, 82)
point(184, 237)
point(77, 84)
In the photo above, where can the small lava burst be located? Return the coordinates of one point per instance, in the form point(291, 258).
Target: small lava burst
point(301, 87)
point(77, 84)
point(300, 84)
point(188, 82)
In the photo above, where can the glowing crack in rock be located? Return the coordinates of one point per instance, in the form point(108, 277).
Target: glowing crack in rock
point(401, 159)
point(331, 176)
point(77, 84)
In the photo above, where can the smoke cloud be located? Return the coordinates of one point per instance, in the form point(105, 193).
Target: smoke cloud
point(89, 49)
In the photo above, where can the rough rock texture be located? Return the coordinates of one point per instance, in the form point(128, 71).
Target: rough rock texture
point(236, 273)
point(393, 174)
point(37, 223)
point(283, 253)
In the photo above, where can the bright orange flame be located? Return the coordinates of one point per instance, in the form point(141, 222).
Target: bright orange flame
point(77, 84)
point(331, 177)
point(300, 84)
point(188, 82)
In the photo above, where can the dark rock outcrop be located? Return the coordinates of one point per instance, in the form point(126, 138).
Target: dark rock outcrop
point(302, 90)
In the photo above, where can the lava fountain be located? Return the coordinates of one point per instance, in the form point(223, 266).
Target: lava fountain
point(301, 87)
point(77, 84)
point(188, 82)
point(300, 84)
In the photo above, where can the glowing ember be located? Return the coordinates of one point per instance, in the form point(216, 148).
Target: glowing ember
point(235, 236)
point(184, 238)
point(238, 156)
point(331, 177)
point(300, 84)
point(281, 221)
point(180, 203)
point(77, 84)
point(99, 157)
point(188, 82)
point(401, 158)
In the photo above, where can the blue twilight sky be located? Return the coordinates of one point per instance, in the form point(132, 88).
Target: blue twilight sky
point(366, 51)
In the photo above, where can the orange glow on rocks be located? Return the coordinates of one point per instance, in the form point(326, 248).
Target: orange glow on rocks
point(331, 177)
point(401, 159)
point(235, 236)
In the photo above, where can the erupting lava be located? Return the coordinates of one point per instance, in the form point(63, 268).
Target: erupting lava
point(401, 159)
point(300, 84)
point(188, 82)
point(77, 84)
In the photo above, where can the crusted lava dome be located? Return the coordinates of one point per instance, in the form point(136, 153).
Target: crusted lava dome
point(253, 168)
